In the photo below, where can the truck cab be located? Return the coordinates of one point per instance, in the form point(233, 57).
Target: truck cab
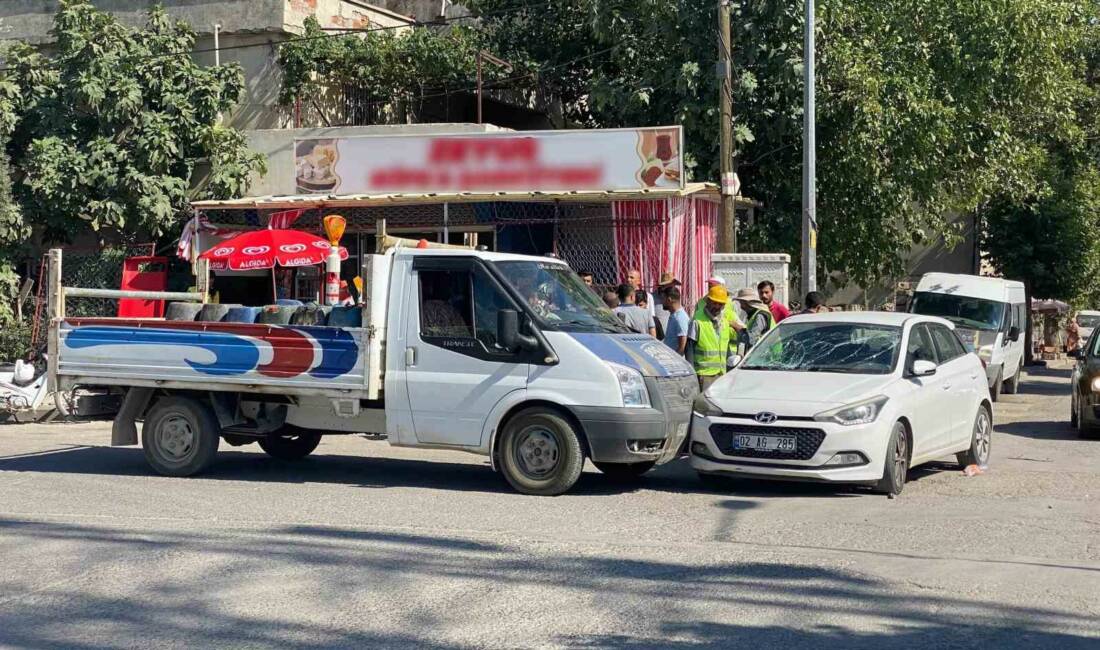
point(503, 355)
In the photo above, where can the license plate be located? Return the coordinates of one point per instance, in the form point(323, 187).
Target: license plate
point(765, 443)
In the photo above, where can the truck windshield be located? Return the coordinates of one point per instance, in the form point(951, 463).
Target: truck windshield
point(964, 311)
point(558, 297)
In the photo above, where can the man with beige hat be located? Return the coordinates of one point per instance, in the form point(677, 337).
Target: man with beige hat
point(759, 320)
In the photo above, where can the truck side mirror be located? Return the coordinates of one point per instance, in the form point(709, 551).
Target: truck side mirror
point(508, 335)
point(1014, 333)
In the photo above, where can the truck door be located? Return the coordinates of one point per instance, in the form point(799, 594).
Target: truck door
point(455, 371)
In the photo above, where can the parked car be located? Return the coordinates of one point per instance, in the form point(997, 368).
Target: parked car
point(1087, 320)
point(1084, 410)
point(990, 316)
point(846, 398)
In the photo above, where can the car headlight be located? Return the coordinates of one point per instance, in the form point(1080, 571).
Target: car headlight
point(704, 406)
point(1095, 384)
point(631, 385)
point(863, 412)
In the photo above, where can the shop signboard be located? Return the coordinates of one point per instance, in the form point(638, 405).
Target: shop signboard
point(506, 161)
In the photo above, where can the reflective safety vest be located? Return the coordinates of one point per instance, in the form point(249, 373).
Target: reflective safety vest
point(711, 347)
point(730, 313)
point(767, 312)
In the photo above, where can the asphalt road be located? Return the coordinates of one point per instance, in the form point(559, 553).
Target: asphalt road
point(362, 545)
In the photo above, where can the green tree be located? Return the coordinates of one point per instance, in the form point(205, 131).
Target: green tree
point(925, 108)
point(394, 66)
point(107, 129)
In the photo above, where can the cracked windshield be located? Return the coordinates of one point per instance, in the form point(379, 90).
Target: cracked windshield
point(834, 347)
point(964, 311)
point(559, 298)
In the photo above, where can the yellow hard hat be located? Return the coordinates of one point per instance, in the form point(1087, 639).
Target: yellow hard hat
point(718, 294)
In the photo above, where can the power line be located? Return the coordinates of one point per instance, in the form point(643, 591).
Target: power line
point(299, 39)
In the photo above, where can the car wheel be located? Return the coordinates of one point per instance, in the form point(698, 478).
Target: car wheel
point(290, 443)
point(179, 436)
point(981, 440)
point(624, 471)
point(540, 453)
point(995, 389)
point(896, 466)
point(1077, 418)
point(1012, 386)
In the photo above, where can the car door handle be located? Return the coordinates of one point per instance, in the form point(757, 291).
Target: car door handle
point(410, 357)
point(947, 386)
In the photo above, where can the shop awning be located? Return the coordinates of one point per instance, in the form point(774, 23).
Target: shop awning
point(706, 191)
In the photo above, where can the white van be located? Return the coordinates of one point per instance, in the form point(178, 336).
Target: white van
point(989, 314)
point(1087, 320)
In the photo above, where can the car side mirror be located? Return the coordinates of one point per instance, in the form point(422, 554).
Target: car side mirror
point(922, 368)
point(508, 332)
point(1014, 333)
point(733, 360)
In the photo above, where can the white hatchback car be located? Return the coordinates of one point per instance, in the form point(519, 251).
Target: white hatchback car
point(846, 397)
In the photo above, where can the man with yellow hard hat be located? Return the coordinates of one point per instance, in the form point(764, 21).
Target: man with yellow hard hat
point(710, 335)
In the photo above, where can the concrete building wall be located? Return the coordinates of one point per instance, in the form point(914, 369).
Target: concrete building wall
point(249, 36)
point(932, 257)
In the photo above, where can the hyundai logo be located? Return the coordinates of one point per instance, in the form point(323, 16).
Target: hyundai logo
point(764, 417)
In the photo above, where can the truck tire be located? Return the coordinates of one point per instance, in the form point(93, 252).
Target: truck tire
point(290, 443)
point(624, 471)
point(540, 453)
point(180, 436)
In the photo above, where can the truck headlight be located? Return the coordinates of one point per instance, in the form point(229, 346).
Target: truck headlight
point(985, 353)
point(863, 412)
point(704, 406)
point(631, 385)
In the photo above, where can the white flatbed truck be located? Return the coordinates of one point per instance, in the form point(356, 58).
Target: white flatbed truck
point(503, 355)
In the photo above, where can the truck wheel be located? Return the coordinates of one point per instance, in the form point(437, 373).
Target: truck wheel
point(180, 436)
point(1012, 386)
point(290, 443)
point(540, 453)
point(624, 471)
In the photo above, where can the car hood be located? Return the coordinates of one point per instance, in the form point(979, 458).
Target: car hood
point(804, 393)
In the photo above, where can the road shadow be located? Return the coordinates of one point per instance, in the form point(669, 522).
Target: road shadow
point(1045, 381)
point(371, 472)
point(1041, 430)
point(141, 586)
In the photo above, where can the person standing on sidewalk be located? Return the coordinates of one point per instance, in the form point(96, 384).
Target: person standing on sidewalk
point(767, 295)
point(710, 337)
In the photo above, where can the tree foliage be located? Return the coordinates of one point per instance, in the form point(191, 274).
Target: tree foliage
point(107, 129)
point(1046, 234)
point(393, 65)
point(925, 107)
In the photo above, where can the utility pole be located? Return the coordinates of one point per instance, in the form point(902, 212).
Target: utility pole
point(727, 232)
point(809, 163)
